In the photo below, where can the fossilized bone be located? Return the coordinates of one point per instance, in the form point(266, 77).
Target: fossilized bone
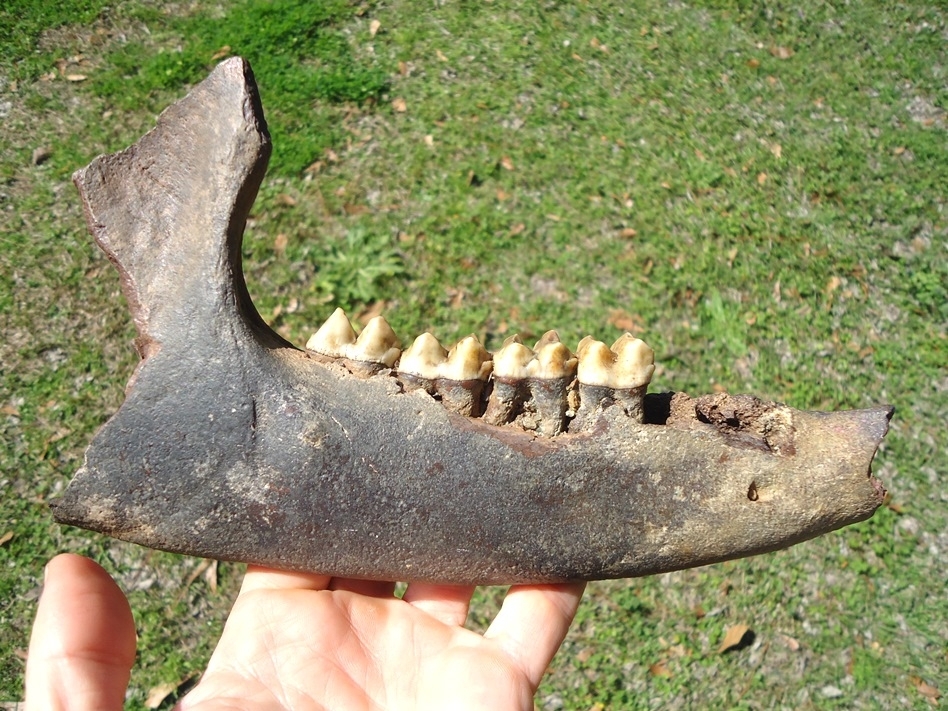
point(353, 458)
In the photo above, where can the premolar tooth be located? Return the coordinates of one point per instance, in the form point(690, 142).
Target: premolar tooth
point(546, 339)
point(334, 337)
point(423, 358)
point(376, 344)
point(467, 360)
point(512, 360)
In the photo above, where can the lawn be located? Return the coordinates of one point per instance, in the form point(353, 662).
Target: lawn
point(759, 190)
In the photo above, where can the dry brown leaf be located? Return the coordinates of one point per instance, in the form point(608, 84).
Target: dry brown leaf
point(76, 77)
point(781, 52)
point(221, 53)
point(776, 149)
point(660, 668)
point(627, 233)
point(352, 209)
point(157, 694)
point(501, 195)
point(925, 689)
point(287, 200)
point(10, 410)
point(832, 285)
point(733, 637)
point(517, 229)
point(399, 105)
point(6, 538)
point(280, 242)
point(792, 644)
point(761, 178)
point(506, 163)
point(377, 308)
point(429, 140)
point(374, 27)
point(625, 321)
point(753, 63)
point(440, 55)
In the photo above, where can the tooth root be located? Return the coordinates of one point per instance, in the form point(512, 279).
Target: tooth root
point(376, 344)
point(334, 337)
point(463, 377)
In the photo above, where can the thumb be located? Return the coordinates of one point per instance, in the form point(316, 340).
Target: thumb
point(83, 642)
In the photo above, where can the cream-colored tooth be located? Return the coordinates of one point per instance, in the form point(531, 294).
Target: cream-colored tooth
point(512, 361)
point(596, 363)
point(467, 360)
point(513, 339)
point(553, 360)
point(635, 362)
point(334, 337)
point(376, 344)
point(546, 339)
point(423, 358)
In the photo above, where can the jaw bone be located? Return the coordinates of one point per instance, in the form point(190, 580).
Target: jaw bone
point(233, 444)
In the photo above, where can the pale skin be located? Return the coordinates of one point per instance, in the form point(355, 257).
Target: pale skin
point(296, 641)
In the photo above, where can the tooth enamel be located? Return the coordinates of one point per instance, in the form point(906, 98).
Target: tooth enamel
point(635, 362)
point(423, 358)
point(553, 360)
point(467, 360)
point(334, 337)
point(596, 363)
point(376, 344)
point(546, 339)
point(512, 361)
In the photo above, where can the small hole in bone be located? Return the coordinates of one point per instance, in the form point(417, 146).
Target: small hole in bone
point(752, 491)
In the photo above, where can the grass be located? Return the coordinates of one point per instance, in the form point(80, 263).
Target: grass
point(757, 189)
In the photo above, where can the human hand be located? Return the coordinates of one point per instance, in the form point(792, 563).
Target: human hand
point(299, 641)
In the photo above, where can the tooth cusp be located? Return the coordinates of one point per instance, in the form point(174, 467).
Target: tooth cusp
point(333, 337)
point(423, 358)
point(467, 360)
point(377, 344)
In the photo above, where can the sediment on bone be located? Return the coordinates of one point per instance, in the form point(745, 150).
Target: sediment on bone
point(617, 375)
point(376, 348)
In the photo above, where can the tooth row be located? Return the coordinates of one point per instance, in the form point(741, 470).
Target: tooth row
point(540, 388)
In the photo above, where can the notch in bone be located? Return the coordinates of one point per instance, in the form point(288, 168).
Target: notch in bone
point(233, 444)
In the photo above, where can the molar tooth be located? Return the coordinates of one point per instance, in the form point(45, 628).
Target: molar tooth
point(554, 360)
point(376, 344)
point(467, 360)
point(334, 337)
point(596, 363)
point(635, 362)
point(510, 371)
point(423, 358)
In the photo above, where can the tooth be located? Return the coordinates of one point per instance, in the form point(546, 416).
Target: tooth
point(334, 337)
point(512, 360)
point(376, 344)
point(554, 360)
point(635, 362)
point(463, 375)
point(596, 363)
point(421, 363)
point(510, 371)
point(620, 374)
point(553, 373)
point(467, 360)
point(546, 339)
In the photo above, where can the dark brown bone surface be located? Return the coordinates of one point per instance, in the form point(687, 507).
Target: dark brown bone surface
point(232, 444)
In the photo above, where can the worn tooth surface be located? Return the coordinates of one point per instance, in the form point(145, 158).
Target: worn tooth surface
point(546, 339)
point(596, 363)
point(634, 364)
point(513, 360)
point(376, 344)
point(334, 337)
point(554, 360)
point(463, 375)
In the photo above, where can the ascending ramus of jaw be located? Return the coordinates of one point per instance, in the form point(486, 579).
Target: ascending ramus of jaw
point(547, 389)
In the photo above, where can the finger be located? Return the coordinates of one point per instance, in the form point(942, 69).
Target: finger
point(83, 643)
point(446, 603)
point(532, 624)
point(259, 578)
point(370, 588)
